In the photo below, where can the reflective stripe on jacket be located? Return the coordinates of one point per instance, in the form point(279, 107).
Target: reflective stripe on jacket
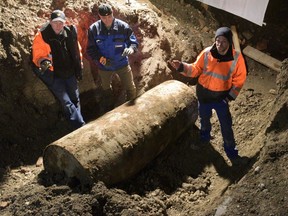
point(110, 43)
point(217, 80)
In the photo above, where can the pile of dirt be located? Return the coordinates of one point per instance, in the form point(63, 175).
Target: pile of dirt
point(188, 178)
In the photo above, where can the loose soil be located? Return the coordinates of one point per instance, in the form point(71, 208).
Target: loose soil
point(187, 178)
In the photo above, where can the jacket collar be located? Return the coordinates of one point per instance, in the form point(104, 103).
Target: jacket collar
point(114, 26)
point(222, 58)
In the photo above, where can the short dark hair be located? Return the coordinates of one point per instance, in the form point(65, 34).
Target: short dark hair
point(104, 10)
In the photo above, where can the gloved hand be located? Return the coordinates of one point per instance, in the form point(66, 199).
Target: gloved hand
point(45, 65)
point(105, 61)
point(128, 51)
point(176, 64)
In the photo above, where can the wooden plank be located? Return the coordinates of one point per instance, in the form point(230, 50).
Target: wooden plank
point(235, 38)
point(262, 58)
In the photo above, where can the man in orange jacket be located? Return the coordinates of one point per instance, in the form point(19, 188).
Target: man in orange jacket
point(221, 73)
point(58, 63)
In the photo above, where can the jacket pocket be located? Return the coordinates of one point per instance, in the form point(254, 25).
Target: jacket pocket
point(119, 45)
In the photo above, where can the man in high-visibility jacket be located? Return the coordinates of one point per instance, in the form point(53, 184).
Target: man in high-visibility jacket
point(221, 73)
point(58, 63)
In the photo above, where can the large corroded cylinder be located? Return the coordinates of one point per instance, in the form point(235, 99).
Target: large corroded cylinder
point(117, 145)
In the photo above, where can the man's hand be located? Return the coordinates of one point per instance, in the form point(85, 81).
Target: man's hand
point(128, 51)
point(175, 64)
point(104, 61)
point(45, 65)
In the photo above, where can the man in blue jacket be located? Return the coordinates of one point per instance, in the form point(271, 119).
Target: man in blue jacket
point(110, 42)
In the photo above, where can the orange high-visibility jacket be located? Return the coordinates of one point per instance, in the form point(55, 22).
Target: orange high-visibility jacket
point(217, 80)
point(41, 50)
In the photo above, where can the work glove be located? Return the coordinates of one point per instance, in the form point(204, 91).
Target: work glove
point(45, 65)
point(105, 61)
point(128, 51)
point(180, 68)
point(177, 65)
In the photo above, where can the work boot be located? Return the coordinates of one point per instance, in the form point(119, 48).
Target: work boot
point(239, 161)
point(130, 94)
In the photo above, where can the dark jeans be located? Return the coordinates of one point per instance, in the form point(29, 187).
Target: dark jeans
point(67, 92)
point(225, 119)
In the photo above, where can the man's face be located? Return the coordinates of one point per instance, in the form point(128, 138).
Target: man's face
point(222, 45)
point(107, 20)
point(57, 26)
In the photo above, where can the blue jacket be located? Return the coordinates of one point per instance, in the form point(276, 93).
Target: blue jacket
point(110, 43)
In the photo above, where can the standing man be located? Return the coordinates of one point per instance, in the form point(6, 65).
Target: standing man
point(58, 60)
point(110, 42)
point(221, 73)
